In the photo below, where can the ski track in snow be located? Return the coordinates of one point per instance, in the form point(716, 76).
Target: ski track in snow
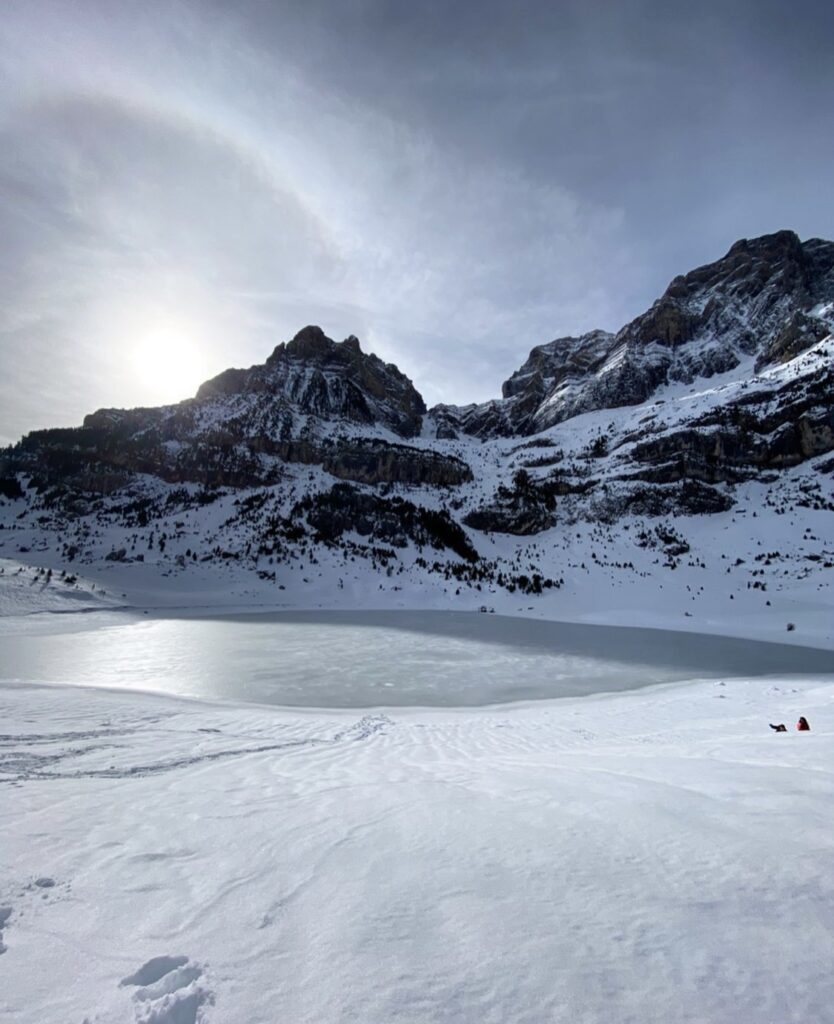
point(17, 765)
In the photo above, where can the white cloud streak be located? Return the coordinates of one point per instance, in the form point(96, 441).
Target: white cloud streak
point(181, 162)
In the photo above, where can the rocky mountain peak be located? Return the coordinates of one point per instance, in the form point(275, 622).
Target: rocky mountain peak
point(554, 361)
point(312, 375)
point(311, 343)
point(742, 304)
point(770, 298)
point(784, 241)
point(765, 269)
point(314, 401)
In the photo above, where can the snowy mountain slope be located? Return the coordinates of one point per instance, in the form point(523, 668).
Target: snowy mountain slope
point(771, 297)
point(26, 589)
point(316, 479)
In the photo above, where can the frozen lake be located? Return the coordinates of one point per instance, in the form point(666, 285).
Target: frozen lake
point(371, 659)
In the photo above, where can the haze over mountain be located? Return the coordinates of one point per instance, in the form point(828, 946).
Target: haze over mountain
point(451, 183)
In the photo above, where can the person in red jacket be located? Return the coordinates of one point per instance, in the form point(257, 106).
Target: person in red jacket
point(802, 724)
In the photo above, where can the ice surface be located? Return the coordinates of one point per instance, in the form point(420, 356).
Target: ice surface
point(367, 659)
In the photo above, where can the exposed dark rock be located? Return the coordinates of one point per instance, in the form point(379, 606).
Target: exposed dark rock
point(375, 462)
point(526, 508)
point(10, 487)
point(90, 459)
point(768, 429)
point(797, 335)
point(329, 380)
point(393, 521)
point(523, 521)
point(766, 296)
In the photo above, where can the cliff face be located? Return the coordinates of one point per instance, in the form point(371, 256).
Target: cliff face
point(765, 302)
point(300, 406)
point(314, 376)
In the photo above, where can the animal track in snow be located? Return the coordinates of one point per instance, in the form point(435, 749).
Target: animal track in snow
point(169, 990)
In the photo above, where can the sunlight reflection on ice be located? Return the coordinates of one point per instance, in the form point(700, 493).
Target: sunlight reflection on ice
point(362, 659)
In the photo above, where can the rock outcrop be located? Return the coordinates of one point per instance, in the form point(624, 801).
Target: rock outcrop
point(314, 376)
point(243, 425)
point(768, 299)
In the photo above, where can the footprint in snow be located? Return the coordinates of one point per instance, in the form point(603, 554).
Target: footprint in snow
point(366, 727)
point(5, 914)
point(47, 888)
point(169, 990)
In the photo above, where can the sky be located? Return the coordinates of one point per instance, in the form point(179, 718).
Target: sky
point(185, 184)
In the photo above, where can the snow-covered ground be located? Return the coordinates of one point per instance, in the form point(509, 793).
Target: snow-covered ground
point(652, 856)
point(750, 571)
point(28, 590)
point(656, 856)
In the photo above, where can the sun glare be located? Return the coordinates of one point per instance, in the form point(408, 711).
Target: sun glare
point(168, 365)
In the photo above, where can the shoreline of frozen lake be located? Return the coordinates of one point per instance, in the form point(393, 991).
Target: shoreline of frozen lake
point(369, 659)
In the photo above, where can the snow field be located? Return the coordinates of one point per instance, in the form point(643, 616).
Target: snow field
point(656, 856)
point(724, 584)
point(26, 590)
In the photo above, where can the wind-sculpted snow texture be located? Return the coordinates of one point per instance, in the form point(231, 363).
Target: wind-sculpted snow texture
point(644, 858)
point(320, 478)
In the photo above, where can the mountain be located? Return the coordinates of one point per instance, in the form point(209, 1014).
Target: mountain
point(313, 401)
point(770, 298)
point(608, 457)
point(312, 376)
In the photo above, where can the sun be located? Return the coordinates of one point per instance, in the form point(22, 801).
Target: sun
point(168, 365)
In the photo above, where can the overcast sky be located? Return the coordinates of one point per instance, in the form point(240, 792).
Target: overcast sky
point(453, 182)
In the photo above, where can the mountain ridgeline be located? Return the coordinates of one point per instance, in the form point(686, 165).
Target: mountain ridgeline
point(725, 380)
point(769, 298)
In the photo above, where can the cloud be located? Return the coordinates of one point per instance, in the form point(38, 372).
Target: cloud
point(452, 183)
point(223, 190)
